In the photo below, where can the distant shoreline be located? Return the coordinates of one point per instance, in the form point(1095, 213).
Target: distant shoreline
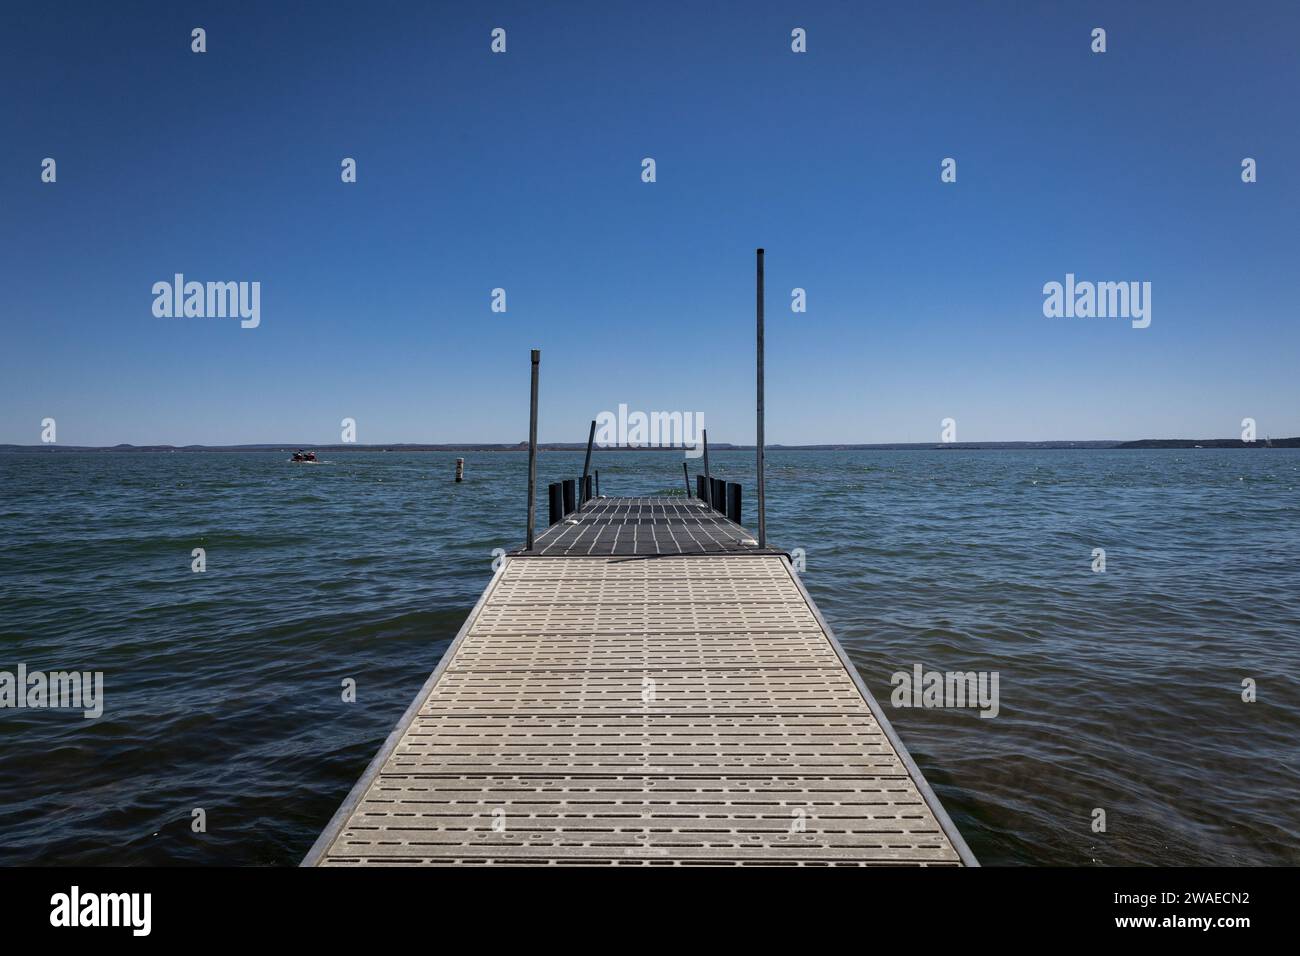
point(1145, 443)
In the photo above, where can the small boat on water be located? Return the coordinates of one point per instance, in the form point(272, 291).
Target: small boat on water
point(304, 457)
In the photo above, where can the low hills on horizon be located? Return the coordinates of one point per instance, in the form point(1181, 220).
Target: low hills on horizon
point(713, 446)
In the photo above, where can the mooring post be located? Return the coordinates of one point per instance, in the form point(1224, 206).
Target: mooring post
point(597, 482)
point(460, 469)
point(585, 489)
point(708, 482)
point(555, 501)
point(686, 477)
point(532, 452)
point(762, 498)
point(570, 496)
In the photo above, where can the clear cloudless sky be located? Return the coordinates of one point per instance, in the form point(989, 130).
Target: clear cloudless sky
point(523, 171)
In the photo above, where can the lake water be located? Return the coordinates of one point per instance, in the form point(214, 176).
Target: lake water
point(1119, 690)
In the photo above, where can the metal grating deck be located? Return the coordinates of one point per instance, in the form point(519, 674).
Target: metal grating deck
point(645, 526)
point(647, 711)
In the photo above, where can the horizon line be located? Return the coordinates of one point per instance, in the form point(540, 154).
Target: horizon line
point(720, 446)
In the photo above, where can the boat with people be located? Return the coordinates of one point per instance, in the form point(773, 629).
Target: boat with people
point(304, 457)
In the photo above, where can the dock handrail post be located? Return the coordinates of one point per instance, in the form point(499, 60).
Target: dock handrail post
point(586, 467)
point(686, 477)
point(708, 485)
point(762, 498)
point(532, 452)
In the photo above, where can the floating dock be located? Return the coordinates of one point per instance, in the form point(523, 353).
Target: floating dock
point(644, 686)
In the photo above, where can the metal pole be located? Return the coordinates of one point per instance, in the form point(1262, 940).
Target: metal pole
point(586, 465)
point(708, 485)
point(532, 452)
point(762, 498)
point(686, 477)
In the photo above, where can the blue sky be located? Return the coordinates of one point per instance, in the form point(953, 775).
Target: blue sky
point(522, 171)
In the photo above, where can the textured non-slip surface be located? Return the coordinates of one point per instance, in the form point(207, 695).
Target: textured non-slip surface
point(644, 526)
point(641, 818)
point(689, 710)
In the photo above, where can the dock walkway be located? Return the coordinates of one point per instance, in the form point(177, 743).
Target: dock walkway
point(643, 687)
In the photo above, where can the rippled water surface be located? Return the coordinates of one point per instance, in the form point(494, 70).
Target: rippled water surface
point(1119, 690)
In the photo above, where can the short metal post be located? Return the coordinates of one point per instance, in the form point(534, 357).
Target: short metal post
point(570, 495)
point(597, 482)
point(686, 477)
point(586, 465)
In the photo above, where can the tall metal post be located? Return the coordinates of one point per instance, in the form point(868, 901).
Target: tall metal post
point(586, 466)
point(532, 451)
point(762, 498)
